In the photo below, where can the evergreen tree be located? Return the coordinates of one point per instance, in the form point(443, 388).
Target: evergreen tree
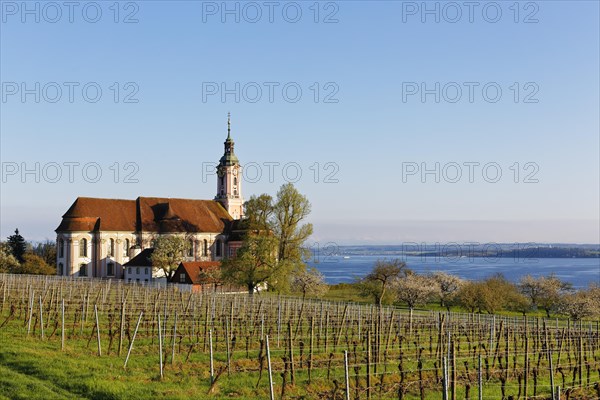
point(17, 245)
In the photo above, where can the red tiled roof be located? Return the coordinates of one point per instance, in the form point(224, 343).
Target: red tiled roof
point(194, 268)
point(87, 214)
point(145, 214)
point(181, 215)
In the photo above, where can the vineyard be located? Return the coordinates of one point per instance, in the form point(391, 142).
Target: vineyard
point(172, 344)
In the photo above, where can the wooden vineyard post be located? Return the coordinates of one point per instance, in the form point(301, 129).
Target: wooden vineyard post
point(346, 375)
point(551, 373)
point(98, 331)
point(291, 350)
point(41, 318)
point(30, 313)
point(368, 364)
point(133, 339)
point(480, 380)
point(160, 354)
point(526, 366)
point(227, 338)
point(62, 329)
point(310, 351)
point(445, 378)
point(278, 320)
point(121, 327)
point(271, 394)
point(174, 340)
point(210, 349)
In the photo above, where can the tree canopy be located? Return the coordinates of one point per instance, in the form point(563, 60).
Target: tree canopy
point(256, 263)
point(17, 245)
point(273, 247)
point(376, 283)
point(168, 252)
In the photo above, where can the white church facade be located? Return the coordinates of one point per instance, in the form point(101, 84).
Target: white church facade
point(97, 237)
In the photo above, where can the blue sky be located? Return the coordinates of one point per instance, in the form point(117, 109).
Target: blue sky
point(366, 129)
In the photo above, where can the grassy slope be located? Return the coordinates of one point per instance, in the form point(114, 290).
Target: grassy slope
point(35, 369)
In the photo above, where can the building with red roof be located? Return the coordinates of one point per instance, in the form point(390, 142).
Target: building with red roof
point(97, 236)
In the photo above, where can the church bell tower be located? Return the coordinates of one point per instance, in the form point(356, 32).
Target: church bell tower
point(229, 179)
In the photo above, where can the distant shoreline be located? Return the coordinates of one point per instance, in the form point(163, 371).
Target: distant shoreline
point(518, 251)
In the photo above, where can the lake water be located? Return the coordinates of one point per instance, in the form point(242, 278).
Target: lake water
point(579, 271)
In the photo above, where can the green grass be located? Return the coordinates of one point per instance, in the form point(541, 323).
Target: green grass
point(31, 368)
point(349, 292)
point(36, 368)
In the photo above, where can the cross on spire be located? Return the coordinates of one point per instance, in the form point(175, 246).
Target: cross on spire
point(228, 125)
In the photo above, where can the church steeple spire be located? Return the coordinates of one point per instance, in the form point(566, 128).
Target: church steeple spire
point(229, 174)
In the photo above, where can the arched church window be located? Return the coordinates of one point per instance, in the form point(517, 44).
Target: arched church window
point(61, 248)
point(126, 248)
point(191, 248)
point(111, 247)
point(218, 248)
point(205, 248)
point(83, 248)
point(235, 180)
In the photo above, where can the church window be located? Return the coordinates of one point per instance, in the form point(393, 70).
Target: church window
point(61, 248)
point(83, 248)
point(60, 269)
point(110, 269)
point(218, 248)
point(191, 248)
point(126, 248)
point(83, 269)
point(205, 248)
point(111, 247)
point(235, 180)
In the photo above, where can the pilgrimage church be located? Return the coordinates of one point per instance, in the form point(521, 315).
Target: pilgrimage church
point(97, 237)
